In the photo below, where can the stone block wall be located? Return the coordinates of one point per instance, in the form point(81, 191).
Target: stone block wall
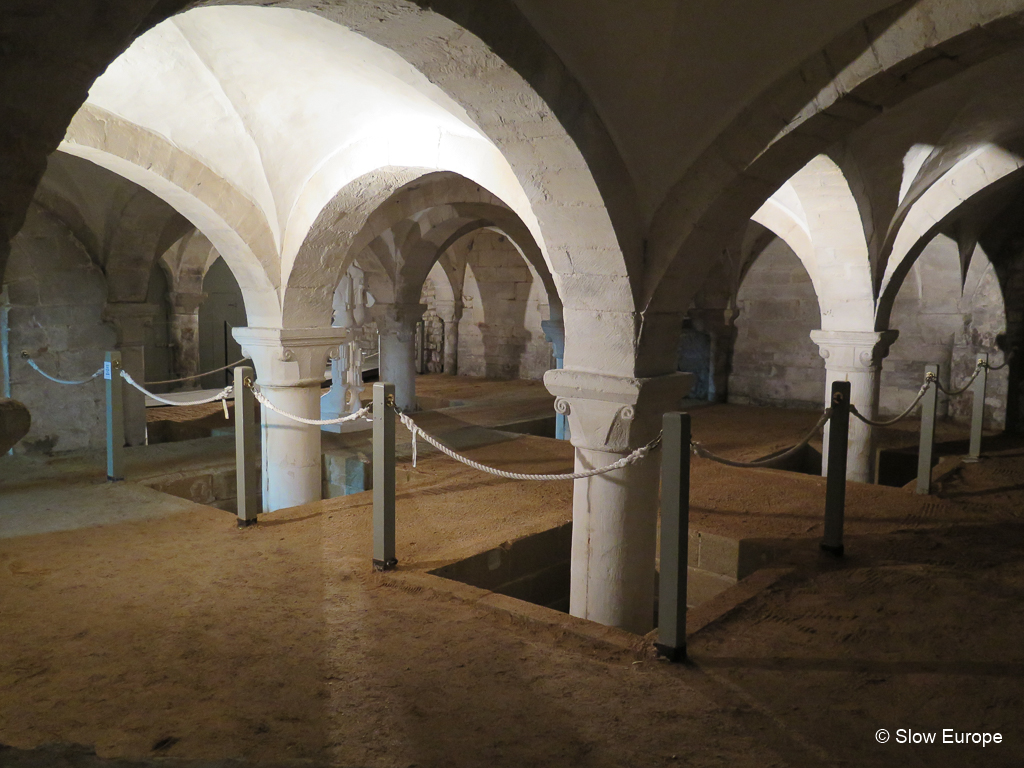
point(775, 362)
point(433, 325)
point(57, 295)
point(504, 302)
point(940, 322)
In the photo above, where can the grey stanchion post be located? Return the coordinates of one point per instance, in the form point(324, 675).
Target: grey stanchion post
point(115, 416)
point(835, 482)
point(675, 532)
point(384, 477)
point(247, 447)
point(927, 445)
point(978, 417)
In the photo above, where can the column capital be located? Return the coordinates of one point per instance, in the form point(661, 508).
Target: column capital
point(290, 357)
point(186, 303)
point(613, 413)
point(130, 321)
point(853, 351)
point(397, 319)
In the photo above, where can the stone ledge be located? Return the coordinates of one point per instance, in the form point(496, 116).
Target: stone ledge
point(519, 612)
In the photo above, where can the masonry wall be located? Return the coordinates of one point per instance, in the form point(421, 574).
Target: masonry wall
point(504, 302)
point(433, 323)
point(57, 295)
point(943, 324)
point(774, 360)
point(776, 363)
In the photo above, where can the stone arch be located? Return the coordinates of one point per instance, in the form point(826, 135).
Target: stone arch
point(146, 228)
point(327, 250)
point(444, 226)
point(988, 167)
point(188, 260)
point(817, 216)
point(424, 219)
point(880, 62)
point(496, 67)
point(231, 221)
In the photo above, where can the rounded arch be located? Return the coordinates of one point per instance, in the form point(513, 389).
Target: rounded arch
point(405, 235)
point(231, 222)
point(509, 140)
point(877, 64)
point(988, 168)
point(817, 216)
point(522, 97)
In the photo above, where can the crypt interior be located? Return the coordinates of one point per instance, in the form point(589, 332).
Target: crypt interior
point(546, 223)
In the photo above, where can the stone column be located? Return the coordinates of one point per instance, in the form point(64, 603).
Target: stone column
point(615, 515)
point(130, 321)
point(856, 357)
point(451, 313)
point(290, 365)
point(397, 326)
point(720, 326)
point(184, 330)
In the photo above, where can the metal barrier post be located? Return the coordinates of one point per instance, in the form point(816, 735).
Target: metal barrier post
point(675, 532)
point(247, 448)
point(835, 481)
point(115, 416)
point(978, 417)
point(384, 477)
point(927, 445)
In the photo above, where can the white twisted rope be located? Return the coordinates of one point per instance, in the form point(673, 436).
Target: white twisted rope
point(625, 461)
point(362, 412)
point(222, 395)
point(54, 379)
point(965, 387)
point(870, 422)
point(768, 463)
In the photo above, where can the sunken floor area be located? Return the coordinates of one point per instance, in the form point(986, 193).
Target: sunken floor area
point(181, 640)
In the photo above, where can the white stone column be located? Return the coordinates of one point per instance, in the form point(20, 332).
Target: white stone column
point(290, 365)
point(397, 326)
point(615, 515)
point(130, 321)
point(856, 357)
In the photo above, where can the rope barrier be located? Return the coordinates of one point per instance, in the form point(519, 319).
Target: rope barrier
point(362, 412)
point(766, 463)
point(198, 375)
point(54, 379)
point(1006, 362)
point(625, 461)
point(222, 395)
point(872, 423)
point(965, 387)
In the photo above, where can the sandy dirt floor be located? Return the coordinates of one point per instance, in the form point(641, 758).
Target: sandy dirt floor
point(184, 637)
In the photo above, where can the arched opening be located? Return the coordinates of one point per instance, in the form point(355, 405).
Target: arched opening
point(222, 311)
point(774, 360)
